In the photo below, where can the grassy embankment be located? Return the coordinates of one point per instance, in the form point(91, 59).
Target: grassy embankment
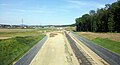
point(110, 41)
point(18, 42)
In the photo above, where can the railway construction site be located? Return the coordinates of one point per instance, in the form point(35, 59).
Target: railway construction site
point(64, 48)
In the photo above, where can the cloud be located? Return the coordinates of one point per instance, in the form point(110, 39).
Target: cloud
point(28, 11)
point(4, 4)
point(33, 11)
point(78, 4)
point(64, 10)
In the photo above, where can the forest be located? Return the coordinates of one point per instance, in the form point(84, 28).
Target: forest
point(105, 19)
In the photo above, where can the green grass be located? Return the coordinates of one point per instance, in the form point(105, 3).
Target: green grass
point(108, 44)
point(18, 43)
point(13, 48)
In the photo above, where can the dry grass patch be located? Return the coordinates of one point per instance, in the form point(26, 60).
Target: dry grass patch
point(110, 41)
point(9, 33)
point(91, 35)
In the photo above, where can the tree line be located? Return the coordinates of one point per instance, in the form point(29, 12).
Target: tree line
point(106, 19)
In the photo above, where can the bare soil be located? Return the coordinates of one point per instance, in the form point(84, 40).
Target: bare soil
point(5, 37)
point(90, 55)
point(55, 51)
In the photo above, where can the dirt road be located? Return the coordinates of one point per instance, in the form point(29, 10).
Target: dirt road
point(55, 51)
point(90, 56)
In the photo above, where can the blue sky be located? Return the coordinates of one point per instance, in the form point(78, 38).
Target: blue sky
point(46, 12)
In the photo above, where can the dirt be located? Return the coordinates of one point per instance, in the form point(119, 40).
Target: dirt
point(91, 35)
point(55, 51)
point(80, 56)
point(91, 56)
point(52, 34)
point(5, 37)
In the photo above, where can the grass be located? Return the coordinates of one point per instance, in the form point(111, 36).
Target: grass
point(108, 44)
point(92, 35)
point(17, 32)
point(21, 41)
point(106, 40)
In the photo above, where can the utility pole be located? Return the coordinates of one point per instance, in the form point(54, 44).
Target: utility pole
point(22, 22)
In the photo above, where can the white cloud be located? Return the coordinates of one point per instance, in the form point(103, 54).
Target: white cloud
point(78, 4)
point(31, 11)
point(3, 4)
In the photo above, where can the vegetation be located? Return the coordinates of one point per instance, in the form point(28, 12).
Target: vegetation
point(105, 40)
point(21, 41)
point(17, 32)
point(103, 20)
point(108, 44)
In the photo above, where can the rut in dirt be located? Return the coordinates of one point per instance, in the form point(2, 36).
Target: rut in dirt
point(80, 56)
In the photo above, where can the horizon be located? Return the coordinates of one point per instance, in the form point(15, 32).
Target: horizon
point(44, 12)
point(37, 24)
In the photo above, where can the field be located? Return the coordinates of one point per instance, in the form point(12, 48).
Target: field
point(15, 42)
point(8, 33)
point(110, 41)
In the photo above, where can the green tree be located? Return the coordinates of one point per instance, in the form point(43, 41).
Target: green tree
point(111, 23)
point(104, 20)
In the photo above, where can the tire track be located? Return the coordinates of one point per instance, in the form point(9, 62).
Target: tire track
point(80, 56)
point(108, 56)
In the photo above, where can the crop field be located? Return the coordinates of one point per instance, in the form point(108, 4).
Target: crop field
point(8, 33)
point(110, 41)
point(15, 42)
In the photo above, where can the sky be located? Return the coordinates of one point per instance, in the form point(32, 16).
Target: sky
point(46, 12)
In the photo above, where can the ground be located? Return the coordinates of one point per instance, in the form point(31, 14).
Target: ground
point(15, 42)
point(109, 41)
point(91, 35)
point(55, 51)
point(93, 58)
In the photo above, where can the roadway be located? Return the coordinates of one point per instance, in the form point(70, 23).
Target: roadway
point(27, 57)
point(108, 56)
point(56, 51)
point(63, 48)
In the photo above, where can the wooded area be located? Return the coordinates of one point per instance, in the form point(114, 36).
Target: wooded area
point(106, 19)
